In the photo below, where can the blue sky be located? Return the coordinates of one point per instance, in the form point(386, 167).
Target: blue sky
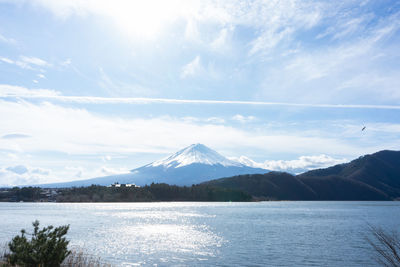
point(92, 88)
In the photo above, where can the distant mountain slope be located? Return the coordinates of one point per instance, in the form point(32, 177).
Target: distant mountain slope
point(272, 185)
point(371, 177)
point(380, 170)
point(191, 165)
point(340, 188)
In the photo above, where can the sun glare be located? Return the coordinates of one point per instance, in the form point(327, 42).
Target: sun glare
point(146, 19)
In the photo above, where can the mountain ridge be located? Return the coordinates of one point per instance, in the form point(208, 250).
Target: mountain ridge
point(370, 177)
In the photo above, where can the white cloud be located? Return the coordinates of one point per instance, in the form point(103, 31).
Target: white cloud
point(6, 40)
point(22, 175)
point(302, 164)
point(79, 174)
point(111, 171)
point(144, 19)
point(383, 127)
point(223, 40)
point(66, 62)
point(349, 37)
point(31, 63)
point(15, 136)
point(333, 59)
point(247, 161)
point(213, 120)
point(24, 62)
point(268, 40)
point(121, 88)
point(346, 24)
point(40, 75)
point(75, 171)
point(243, 119)
point(278, 21)
point(106, 158)
point(19, 91)
point(216, 120)
point(356, 69)
point(274, 21)
point(193, 68)
point(7, 60)
point(191, 31)
point(351, 26)
point(41, 171)
point(34, 61)
point(296, 166)
point(19, 169)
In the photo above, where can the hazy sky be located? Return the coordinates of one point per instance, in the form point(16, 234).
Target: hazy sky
point(92, 88)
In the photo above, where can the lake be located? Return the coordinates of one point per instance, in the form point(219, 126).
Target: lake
point(224, 234)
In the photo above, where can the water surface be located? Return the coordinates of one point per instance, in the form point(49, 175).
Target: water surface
point(222, 234)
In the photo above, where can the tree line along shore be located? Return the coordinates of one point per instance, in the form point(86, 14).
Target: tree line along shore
point(148, 193)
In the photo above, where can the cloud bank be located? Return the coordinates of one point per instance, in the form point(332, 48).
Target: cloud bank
point(23, 175)
point(297, 166)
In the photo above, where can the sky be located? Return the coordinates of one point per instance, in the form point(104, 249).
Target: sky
point(94, 88)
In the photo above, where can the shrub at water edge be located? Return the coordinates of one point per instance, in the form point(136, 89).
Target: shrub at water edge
point(47, 247)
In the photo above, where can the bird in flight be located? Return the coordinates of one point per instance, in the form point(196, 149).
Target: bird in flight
point(363, 128)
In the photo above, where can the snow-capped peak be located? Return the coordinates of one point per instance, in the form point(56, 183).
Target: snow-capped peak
point(247, 162)
point(196, 153)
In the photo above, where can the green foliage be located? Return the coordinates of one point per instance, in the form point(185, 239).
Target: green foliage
point(165, 192)
point(153, 192)
point(47, 247)
point(28, 193)
point(21, 194)
point(96, 193)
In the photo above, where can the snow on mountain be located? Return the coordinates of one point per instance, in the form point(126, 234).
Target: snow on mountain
point(191, 165)
point(246, 161)
point(196, 153)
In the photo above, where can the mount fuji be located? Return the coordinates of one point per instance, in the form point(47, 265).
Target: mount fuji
point(192, 165)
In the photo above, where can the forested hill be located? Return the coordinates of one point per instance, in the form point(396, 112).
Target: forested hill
point(371, 177)
point(380, 170)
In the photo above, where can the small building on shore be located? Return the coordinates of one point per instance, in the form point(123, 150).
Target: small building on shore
point(116, 184)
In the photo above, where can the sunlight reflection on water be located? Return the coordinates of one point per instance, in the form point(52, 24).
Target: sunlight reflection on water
point(224, 234)
point(154, 231)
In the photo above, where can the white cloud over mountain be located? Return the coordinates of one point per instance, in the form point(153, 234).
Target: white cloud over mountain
point(296, 166)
